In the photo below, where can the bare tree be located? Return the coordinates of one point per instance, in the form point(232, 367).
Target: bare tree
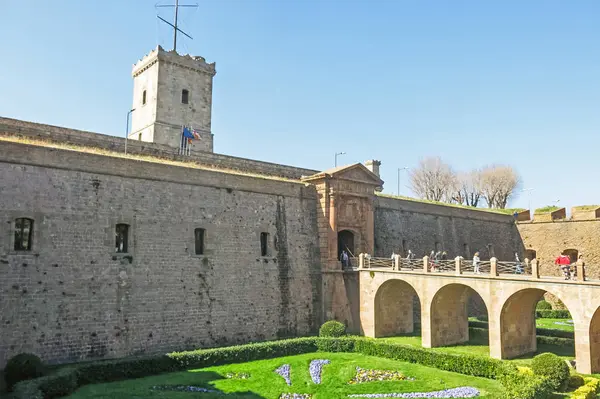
point(468, 190)
point(499, 184)
point(433, 180)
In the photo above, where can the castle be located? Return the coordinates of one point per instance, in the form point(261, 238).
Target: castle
point(105, 254)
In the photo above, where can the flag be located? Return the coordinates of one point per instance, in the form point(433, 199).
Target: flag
point(187, 133)
point(196, 134)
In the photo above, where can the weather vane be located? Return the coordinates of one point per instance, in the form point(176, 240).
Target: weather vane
point(174, 26)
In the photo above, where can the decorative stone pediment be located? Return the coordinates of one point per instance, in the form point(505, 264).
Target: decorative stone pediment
point(355, 173)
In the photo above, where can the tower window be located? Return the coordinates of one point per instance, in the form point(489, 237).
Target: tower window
point(140, 137)
point(199, 241)
point(144, 97)
point(264, 244)
point(121, 238)
point(23, 234)
point(185, 96)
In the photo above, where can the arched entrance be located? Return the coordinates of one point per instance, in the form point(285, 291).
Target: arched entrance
point(395, 305)
point(518, 323)
point(450, 314)
point(530, 254)
point(573, 254)
point(346, 242)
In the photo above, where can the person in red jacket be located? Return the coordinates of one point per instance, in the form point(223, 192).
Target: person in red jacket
point(564, 262)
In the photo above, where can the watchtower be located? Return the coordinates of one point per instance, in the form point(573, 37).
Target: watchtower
point(171, 90)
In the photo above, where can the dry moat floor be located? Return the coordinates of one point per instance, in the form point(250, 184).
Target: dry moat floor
point(259, 379)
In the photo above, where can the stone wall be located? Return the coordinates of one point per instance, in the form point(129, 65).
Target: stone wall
point(82, 138)
point(550, 239)
point(73, 298)
point(401, 225)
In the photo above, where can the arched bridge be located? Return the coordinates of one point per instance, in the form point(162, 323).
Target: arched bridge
point(388, 288)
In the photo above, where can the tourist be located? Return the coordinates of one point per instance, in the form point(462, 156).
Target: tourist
point(564, 263)
point(476, 263)
point(345, 259)
point(518, 269)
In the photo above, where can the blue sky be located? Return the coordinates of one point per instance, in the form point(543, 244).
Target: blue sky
point(475, 82)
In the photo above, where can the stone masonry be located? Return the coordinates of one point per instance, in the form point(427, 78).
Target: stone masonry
point(73, 298)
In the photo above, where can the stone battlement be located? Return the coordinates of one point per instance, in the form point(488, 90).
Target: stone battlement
point(75, 137)
point(195, 63)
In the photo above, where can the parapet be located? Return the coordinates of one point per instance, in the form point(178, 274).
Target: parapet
point(195, 63)
point(549, 214)
point(585, 212)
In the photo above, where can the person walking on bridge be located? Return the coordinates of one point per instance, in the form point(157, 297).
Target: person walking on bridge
point(564, 262)
point(476, 263)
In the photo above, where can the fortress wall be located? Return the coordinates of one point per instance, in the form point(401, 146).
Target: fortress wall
point(73, 298)
point(549, 239)
point(421, 225)
point(10, 126)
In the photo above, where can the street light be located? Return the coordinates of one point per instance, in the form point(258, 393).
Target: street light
point(528, 190)
point(399, 170)
point(127, 129)
point(336, 155)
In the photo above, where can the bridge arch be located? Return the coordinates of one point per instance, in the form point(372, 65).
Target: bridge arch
point(395, 303)
point(518, 322)
point(594, 332)
point(449, 314)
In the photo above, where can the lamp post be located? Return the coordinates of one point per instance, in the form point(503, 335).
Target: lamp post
point(336, 155)
point(529, 190)
point(400, 170)
point(127, 129)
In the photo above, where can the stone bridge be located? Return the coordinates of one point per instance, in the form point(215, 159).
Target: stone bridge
point(388, 289)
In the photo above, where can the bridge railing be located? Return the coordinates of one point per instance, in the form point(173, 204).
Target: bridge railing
point(442, 265)
point(518, 268)
point(411, 264)
point(379, 263)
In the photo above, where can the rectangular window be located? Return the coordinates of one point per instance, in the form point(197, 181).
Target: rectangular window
point(144, 97)
point(199, 241)
point(264, 244)
point(185, 96)
point(121, 238)
point(140, 137)
point(23, 234)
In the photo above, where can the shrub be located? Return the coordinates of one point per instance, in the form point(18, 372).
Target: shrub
point(587, 391)
point(555, 341)
point(549, 332)
point(332, 328)
point(552, 367)
point(523, 370)
point(575, 381)
point(23, 366)
point(478, 324)
point(553, 314)
point(522, 386)
point(543, 305)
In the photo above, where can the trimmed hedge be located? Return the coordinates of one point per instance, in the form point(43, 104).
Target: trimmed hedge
point(522, 386)
point(553, 367)
point(553, 314)
point(543, 305)
point(21, 367)
point(575, 381)
point(547, 332)
point(66, 380)
point(332, 328)
point(589, 391)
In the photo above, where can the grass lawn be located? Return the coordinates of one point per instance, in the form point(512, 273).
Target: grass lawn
point(555, 324)
point(265, 383)
point(480, 347)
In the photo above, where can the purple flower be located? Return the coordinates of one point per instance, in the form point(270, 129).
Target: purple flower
point(461, 392)
point(284, 371)
point(295, 396)
point(315, 369)
point(183, 388)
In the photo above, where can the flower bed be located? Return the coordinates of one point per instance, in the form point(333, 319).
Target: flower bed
point(462, 392)
point(315, 369)
point(237, 376)
point(183, 388)
point(295, 396)
point(284, 371)
point(364, 375)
